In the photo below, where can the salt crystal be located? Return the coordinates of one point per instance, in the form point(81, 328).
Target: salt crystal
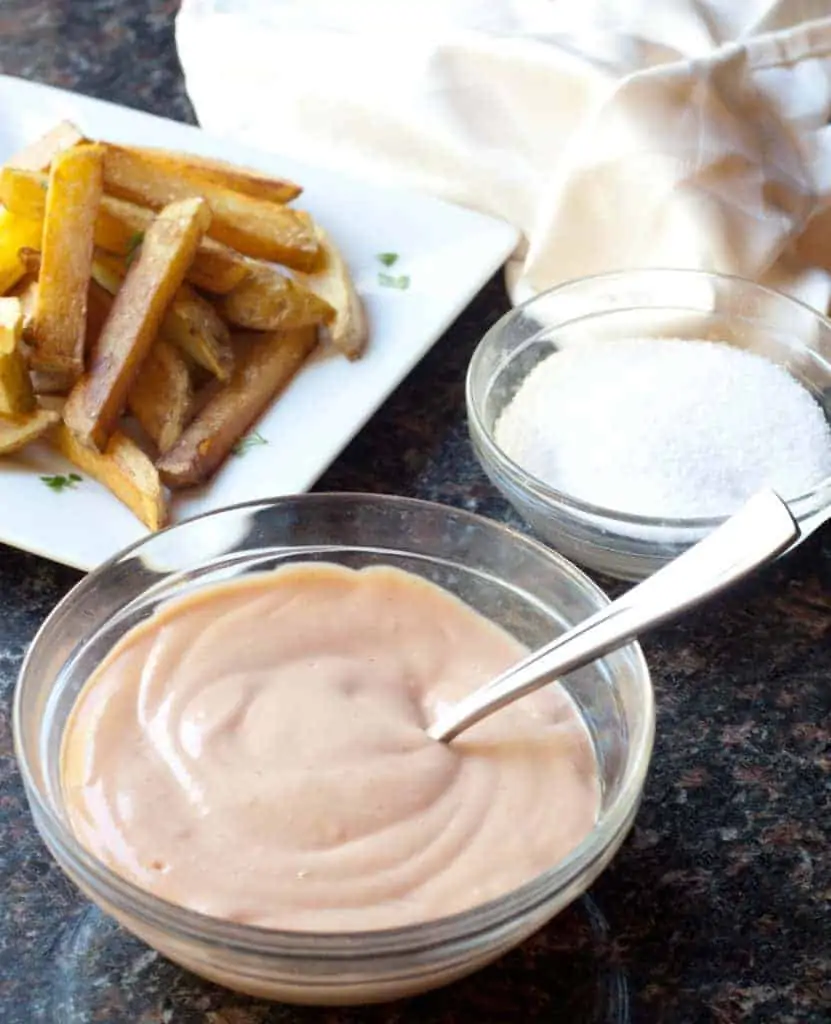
point(666, 428)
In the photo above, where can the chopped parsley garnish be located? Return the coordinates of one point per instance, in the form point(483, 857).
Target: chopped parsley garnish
point(245, 444)
point(59, 482)
point(401, 282)
point(389, 259)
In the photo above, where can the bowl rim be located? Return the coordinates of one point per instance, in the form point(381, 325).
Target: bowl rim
point(539, 488)
point(459, 928)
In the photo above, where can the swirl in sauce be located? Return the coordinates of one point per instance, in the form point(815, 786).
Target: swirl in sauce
point(255, 751)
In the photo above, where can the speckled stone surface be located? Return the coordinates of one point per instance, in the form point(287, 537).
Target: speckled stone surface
point(718, 907)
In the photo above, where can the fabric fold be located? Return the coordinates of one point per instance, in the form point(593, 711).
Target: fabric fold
point(612, 133)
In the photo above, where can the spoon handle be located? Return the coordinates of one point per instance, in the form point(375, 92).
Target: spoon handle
point(760, 530)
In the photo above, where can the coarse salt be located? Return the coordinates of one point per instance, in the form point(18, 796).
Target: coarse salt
point(666, 428)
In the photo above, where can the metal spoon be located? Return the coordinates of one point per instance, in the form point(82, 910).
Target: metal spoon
point(760, 530)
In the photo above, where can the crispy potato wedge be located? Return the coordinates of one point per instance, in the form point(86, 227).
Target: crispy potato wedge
point(23, 192)
point(59, 320)
point(153, 279)
point(194, 326)
point(16, 233)
point(250, 182)
point(161, 396)
point(215, 267)
point(265, 364)
point(348, 329)
point(18, 431)
point(16, 395)
point(119, 227)
point(269, 301)
point(191, 323)
point(99, 303)
point(38, 155)
point(251, 226)
point(43, 383)
point(123, 469)
point(26, 291)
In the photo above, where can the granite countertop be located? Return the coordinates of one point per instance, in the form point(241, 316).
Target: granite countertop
point(717, 906)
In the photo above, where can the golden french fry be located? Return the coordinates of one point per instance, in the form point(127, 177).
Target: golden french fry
point(99, 303)
point(16, 233)
point(153, 279)
point(194, 326)
point(23, 192)
point(251, 226)
point(119, 228)
point(250, 182)
point(161, 396)
point(348, 329)
point(16, 395)
point(38, 155)
point(26, 291)
point(265, 364)
point(43, 382)
point(216, 268)
point(269, 301)
point(18, 431)
point(191, 323)
point(59, 321)
point(123, 469)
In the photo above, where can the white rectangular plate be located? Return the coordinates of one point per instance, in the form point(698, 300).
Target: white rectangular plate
point(448, 253)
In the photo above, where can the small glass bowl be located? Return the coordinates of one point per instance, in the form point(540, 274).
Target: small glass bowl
point(638, 303)
point(511, 579)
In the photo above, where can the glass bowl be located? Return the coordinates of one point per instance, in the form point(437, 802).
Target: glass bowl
point(639, 303)
point(513, 580)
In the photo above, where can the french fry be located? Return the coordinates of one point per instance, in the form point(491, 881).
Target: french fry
point(265, 364)
point(154, 277)
point(119, 228)
point(161, 396)
point(251, 226)
point(348, 329)
point(16, 395)
point(59, 321)
point(250, 182)
point(194, 326)
point(16, 233)
point(23, 192)
point(26, 291)
point(43, 383)
point(18, 431)
point(269, 301)
point(99, 303)
point(123, 469)
point(191, 323)
point(38, 155)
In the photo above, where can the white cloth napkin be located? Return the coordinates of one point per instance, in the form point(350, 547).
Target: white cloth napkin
point(613, 133)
